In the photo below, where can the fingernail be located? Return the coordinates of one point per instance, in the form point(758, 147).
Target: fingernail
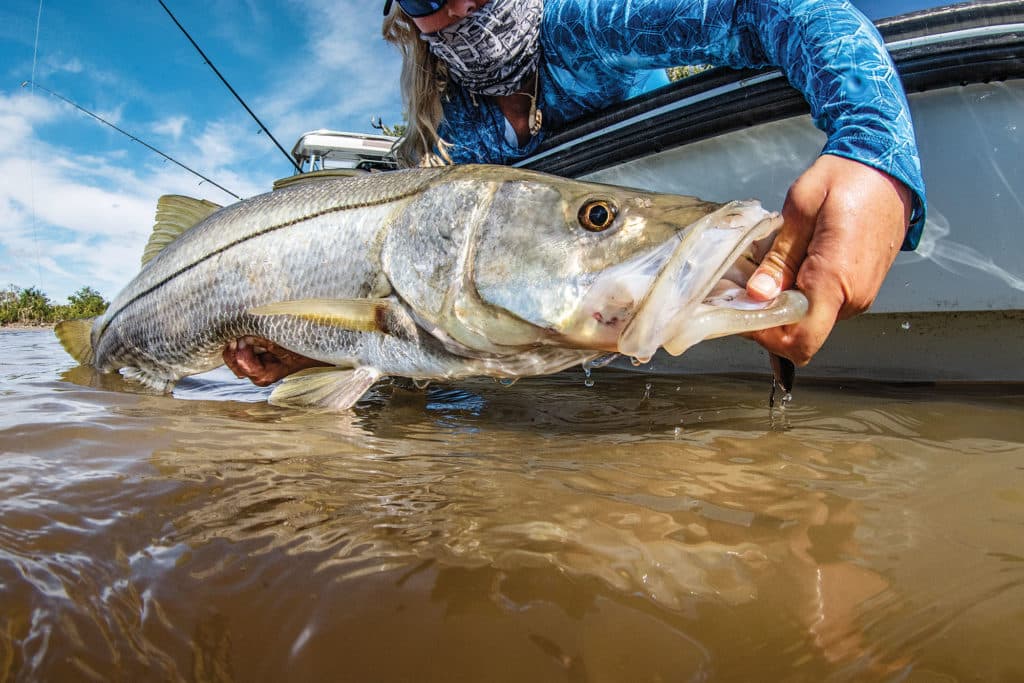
point(241, 343)
point(764, 285)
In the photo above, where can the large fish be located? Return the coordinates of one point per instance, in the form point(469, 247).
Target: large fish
point(432, 274)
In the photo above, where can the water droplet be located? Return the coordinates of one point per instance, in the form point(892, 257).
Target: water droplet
point(588, 382)
point(507, 381)
point(905, 325)
point(421, 383)
point(599, 362)
point(678, 432)
point(647, 391)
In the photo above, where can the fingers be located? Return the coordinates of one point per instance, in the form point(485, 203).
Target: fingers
point(262, 361)
point(778, 270)
point(797, 259)
point(801, 341)
point(238, 357)
point(251, 358)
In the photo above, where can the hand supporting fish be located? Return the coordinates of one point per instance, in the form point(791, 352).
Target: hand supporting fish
point(263, 362)
point(431, 274)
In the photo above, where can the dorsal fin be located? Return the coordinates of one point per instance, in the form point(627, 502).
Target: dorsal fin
point(175, 214)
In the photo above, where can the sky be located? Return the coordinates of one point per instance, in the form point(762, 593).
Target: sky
point(78, 199)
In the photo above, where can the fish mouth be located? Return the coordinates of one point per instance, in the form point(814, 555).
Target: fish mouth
point(689, 289)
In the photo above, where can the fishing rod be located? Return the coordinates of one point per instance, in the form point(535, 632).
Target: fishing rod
point(238, 97)
point(124, 132)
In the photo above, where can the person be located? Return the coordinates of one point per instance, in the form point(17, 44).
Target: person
point(484, 81)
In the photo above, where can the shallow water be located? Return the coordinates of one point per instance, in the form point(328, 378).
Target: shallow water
point(643, 529)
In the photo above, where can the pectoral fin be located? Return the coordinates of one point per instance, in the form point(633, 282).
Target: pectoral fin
point(332, 388)
point(147, 379)
point(358, 315)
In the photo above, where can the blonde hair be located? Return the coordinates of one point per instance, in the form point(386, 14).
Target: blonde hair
point(421, 94)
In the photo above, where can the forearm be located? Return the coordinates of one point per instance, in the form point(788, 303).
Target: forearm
point(835, 57)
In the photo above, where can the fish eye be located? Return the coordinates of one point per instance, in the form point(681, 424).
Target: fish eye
point(597, 215)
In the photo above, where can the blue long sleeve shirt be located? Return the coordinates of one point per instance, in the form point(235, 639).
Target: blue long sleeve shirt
point(596, 53)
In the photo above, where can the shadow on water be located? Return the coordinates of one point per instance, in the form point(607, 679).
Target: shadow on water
point(644, 528)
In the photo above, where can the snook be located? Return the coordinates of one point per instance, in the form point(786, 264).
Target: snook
point(431, 274)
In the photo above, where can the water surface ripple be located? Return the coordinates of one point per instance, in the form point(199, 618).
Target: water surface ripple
point(644, 528)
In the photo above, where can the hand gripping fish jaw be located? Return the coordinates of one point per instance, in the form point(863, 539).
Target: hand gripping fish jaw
point(689, 289)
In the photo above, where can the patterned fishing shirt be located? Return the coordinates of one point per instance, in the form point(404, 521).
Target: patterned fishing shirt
point(600, 52)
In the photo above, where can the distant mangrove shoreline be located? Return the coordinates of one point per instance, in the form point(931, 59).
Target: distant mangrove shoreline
point(30, 307)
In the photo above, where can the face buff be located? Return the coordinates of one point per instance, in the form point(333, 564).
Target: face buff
point(492, 50)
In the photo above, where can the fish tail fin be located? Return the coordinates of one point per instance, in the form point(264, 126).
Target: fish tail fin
point(76, 338)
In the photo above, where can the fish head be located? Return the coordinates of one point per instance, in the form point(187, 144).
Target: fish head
point(497, 260)
point(575, 259)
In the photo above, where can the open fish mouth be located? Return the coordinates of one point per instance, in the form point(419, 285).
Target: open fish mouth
point(679, 310)
point(689, 289)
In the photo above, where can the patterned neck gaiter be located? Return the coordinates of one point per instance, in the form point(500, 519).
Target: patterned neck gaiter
point(490, 51)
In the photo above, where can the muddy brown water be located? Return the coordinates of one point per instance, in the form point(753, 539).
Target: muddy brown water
point(647, 528)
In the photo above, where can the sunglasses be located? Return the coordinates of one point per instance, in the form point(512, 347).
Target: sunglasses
point(417, 8)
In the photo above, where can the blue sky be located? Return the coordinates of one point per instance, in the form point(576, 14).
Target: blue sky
point(77, 199)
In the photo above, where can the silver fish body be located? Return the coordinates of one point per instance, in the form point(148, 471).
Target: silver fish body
point(432, 274)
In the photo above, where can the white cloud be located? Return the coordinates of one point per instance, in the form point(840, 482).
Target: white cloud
point(172, 126)
point(19, 112)
point(345, 72)
point(69, 219)
point(114, 115)
point(59, 63)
